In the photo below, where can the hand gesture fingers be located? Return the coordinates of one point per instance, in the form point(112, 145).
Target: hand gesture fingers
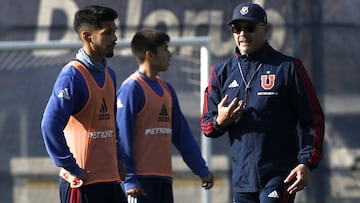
point(228, 114)
point(299, 176)
point(223, 102)
point(237, 110)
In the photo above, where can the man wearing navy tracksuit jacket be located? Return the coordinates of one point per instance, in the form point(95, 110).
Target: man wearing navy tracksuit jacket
point(260, 96)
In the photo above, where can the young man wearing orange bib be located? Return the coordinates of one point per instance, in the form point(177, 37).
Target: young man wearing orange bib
point(150, 121)
point(79, 120)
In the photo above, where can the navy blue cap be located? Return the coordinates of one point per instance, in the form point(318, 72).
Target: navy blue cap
point(249, 12)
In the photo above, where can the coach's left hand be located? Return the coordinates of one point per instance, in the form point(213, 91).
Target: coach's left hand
point(302, 174)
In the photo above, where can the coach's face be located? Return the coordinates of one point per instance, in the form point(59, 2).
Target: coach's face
point(249, 37)
point(102, 41)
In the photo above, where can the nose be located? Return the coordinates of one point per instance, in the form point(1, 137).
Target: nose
point(115, 38)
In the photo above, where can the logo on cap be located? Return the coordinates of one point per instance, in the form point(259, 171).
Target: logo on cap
point(244, 10)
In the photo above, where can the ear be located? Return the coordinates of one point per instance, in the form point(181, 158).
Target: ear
point(86, 36)
point(148, 55)
point(267, 28)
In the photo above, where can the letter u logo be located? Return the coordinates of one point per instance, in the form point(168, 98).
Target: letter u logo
point(267, 81)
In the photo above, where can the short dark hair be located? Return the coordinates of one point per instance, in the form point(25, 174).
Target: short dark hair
point(93, 16)
point(147, 40)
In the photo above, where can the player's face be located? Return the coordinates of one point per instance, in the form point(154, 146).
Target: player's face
point(249, 37)
point(103, 41)
point(161, 59)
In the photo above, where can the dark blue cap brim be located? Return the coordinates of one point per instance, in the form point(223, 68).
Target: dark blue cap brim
point(244, 19)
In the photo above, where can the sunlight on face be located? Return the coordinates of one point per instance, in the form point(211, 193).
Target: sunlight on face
point(249, 37)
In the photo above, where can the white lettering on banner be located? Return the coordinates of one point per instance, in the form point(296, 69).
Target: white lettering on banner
point(166, 17)
point(156, 131)
point(46, 9)
point(260, 2)
point(277, 37)
point(101, 134)
point(163, 16)
point(214, 19)
point(132, 17)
